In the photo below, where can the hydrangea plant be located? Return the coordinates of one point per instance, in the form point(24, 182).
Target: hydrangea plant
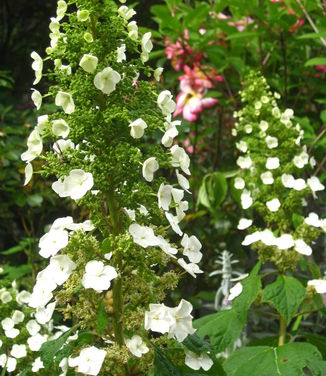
point(23, 331)
point(274, 188)
point(111, 147)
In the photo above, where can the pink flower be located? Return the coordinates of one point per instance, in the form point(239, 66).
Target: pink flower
point(321, 69)
point(180, 52)
point(193, 86)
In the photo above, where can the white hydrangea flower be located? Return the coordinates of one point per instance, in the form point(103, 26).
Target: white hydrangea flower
point(88, 63)
point(144, 236)
point(5, 297)
point(302, 247)
point(192, 247)
point(248, 128)
point(132, 30)
point(126, 13)
point(268, 238)
point(180, 159)
point(52, 242)
point(10, 363)
point(285, 241)
point(246, 199)
point(89, 361)
point(312, 220)
point(190, 268)
point(174, 223)
point(272, 163)
point(235, 291)
point(299, 184)
point(251, 238)
point(61, 9)
point(44, 314)
point(244, 162)
point(273, 205)
point(136, 346)
point(182, 181)
point(42, 122)
point(150, 166)
point(60, 128)
point(157, 73)
point(18, 317)
point(98, 276)
point(106, 80)
point(272, 142)
point(82, 15)
point(166, 103)
point(147, 46)
point(319, 285)
point(34, 147)
point(121, 53)
point(164, 196)
point(182, 321)
point(314, 184)
point(263, 125)
point(60, 268)
point(267, 178)
point(85, 226)
point(65, 101)
point(170, 132)
point(244, 223)
point(61, 145)
point(23, 297)
point(75, 185)
point(37, 66)
point(37, 365)
point(36, 98)
point(195, 361)
point(42, 293)
point(137, 128)
point(166, 247)
point(158, 319)
point(276, 112)
point(28, 173)
point(7, 323)
point(242, 146)
point(239, 183)
point(33, 327)
point(18, 351)
point(12, 333)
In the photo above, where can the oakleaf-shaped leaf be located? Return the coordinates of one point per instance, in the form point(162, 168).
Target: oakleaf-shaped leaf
point(285, 294)
point(287, 360)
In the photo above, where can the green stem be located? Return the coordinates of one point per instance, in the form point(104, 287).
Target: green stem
point(282, 335)
point(117, 284)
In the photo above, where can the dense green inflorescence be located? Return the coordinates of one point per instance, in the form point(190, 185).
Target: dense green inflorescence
point(111, 148)
point(273, 190)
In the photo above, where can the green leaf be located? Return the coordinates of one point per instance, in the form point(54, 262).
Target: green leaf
point(315, 61)
point(222, 328)
point(21, 246)
point(323, 116)
point(285, 294)
point(49, 349)
point(16, 272)
point(196, 344)
point(213, 190)
point(163, 365)
point(251, 287)
point(287, 360)
point(102, 318)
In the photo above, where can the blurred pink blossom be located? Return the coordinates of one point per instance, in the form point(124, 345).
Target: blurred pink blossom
point(193, 86)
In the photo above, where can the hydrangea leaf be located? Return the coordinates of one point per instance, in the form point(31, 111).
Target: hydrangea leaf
point(285, 294)
point(163, 365)
point(51, 348)
point(196, 344)
point(251, 287)
point(223, 328)
point(287, 360)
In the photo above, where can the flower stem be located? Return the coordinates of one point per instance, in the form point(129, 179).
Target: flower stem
point(282, 335)
point(117, 284)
